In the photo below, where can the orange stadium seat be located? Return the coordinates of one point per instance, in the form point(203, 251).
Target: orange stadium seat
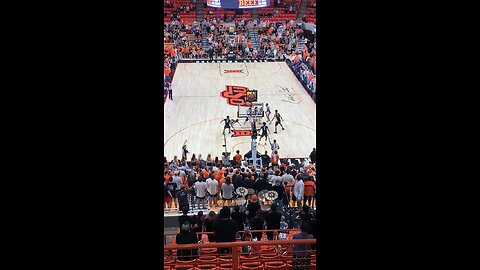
point(251, 265)
point(207, 266)
point(276, 265)
point(207, 259)
point(225, 266)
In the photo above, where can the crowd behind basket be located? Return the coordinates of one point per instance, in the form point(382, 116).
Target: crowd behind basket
point(277, 40)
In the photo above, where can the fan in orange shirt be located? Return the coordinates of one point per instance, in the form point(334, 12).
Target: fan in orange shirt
point(309, 190)
point(238, 158)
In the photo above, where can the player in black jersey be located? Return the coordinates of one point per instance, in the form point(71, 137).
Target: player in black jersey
point(265, 131)
point(278, 121)
point(227, 125)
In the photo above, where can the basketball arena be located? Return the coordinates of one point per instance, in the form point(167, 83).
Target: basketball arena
point(240, 134)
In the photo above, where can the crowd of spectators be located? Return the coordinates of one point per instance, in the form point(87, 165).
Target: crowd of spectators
point(206, 180)
point(281, 41)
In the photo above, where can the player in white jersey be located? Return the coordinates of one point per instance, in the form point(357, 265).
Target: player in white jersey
point(267, 112)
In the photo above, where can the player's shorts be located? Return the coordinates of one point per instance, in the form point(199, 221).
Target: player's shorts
point(168, 199)
point(200, 198)
point(264, 135)
point(277, 123)
point(226, 127)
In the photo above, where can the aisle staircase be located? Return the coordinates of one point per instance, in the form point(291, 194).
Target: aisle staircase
point(200, 12)
point(253, 34)
point(302, 10)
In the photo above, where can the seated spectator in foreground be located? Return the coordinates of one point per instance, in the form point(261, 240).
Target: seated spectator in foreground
point(301, 253)
point(248, 250)
point(186, 236)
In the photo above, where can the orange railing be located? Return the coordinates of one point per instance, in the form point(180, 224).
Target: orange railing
point(276, 254)
point(289, 233)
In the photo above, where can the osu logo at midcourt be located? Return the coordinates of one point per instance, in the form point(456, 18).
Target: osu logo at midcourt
point(239, 95)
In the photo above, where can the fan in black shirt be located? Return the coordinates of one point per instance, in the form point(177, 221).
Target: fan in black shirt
point(256, 223)
point(260, 185)
point(252, 207)
point(209, 223)
point(198, 224)
point(186, 236)
point(182, 196)
point(225, 229)
point(239, 218)
point(237, 180)
point(273, 220)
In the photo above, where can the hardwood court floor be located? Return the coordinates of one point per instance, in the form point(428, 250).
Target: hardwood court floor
point(197, 108)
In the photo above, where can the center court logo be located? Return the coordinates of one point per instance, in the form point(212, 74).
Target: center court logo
point(239, 95)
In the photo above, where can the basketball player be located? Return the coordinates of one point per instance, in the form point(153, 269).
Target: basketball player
point(184, 151)
point(249, 115)
point(278, 120)
point(227, 125)
point(275, 146)
point(265, 131)
point(268, 112)
point(234, 121)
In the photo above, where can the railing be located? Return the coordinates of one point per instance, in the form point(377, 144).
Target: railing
point(275, 254)
point(288, 232)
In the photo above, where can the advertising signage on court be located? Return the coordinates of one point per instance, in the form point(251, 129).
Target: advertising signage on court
point(238, 4)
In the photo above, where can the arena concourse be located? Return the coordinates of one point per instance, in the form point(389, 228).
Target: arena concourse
point(239, 134)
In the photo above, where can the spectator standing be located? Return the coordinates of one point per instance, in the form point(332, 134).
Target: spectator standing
point(225, 229)
point(273, 220)
point(167, 196)
point(298, 191)
point(177, 180)
point(172, 187)
point(309, 190)
point(238, 158)
point(227, 191)
point(209, 223)
point(256, 223)
point(182, 197)
point(239, 218)
point(313, 156)
point(212, 189)
point(198, 225)
point(200, 191)
point(252, 207)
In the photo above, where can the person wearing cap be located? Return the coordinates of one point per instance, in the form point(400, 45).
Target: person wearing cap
point(252, 207)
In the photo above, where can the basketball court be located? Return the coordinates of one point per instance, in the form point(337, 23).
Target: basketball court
point(205, 93)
